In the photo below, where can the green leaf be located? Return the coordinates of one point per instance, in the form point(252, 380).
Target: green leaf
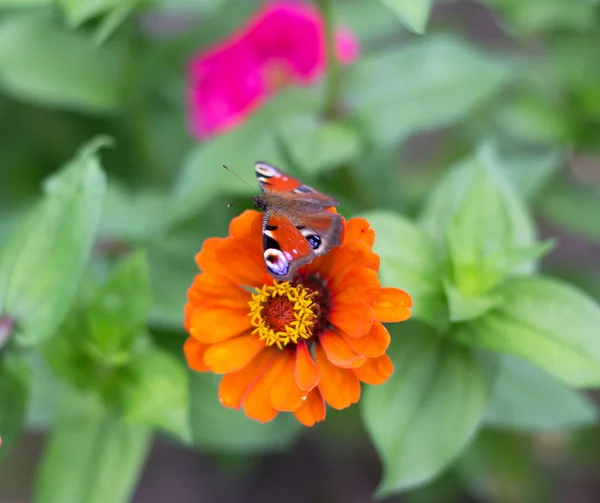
point(412, 13)
point(117, 311)
point(475, 217)
point(318, 146)
point(41, 264)
point(526, 398)
point(489, 221)
point(11, 4)
point(368, 21)
point(464, 307)
point(132, 216)
point(571, 206)
point(427, 412)
point(79, 11)
point(545, 321)
point(92, 456)
point(202, 177)
point(42, 63)
point(105, 330)
point(14, 396)
point(538, 16)
point(113, 19)
point(408, 261)
point(423, 85)
point(157, 394)
point(45, 392)
point(529, 116)
point(219, 429)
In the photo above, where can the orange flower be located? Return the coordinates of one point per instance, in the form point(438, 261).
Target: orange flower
point(290, 346)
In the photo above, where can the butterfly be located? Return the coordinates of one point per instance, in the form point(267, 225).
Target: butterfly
point(296, 226)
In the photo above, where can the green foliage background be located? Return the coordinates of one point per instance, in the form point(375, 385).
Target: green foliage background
point(470, 139)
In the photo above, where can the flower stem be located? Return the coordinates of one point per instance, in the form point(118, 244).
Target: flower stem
point(333, 85)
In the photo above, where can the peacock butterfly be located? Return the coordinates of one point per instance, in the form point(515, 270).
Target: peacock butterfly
point(296, 226)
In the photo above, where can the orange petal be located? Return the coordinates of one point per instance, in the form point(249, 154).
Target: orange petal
point(285, 393)
point(248, 225)
point(376, 370)
point(215, 289)
point(307, 372)
point(371, 345)
point(205, 257)
point(353, 318)
point(233, 258)
point(233, 354)
point(338, 352)
point(312, 410)
point(358, 229)
point(393, 305)
point(257, 404)
point(359, 283)
point(188, 310)
point(215, 324)
point(335, 263)
point(233, 387)
point(340, 387)
point(194, 354)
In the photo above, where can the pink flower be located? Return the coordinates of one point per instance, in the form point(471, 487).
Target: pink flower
point(284, 43)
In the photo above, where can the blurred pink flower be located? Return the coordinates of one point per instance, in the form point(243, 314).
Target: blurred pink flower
point(283, 43)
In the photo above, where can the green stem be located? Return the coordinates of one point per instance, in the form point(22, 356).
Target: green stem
point(333, 88)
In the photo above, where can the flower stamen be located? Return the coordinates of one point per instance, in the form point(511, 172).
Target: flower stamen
point(283, 313)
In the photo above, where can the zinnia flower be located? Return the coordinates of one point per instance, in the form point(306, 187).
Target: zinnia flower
point(284, 43)
point(290, 346)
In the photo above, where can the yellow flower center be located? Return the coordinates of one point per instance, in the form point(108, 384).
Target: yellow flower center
point(283, 313)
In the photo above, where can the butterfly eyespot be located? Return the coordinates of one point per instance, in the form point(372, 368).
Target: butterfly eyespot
point(276, 262)
point(265, 169)
point(314, 241)
point(303, 189)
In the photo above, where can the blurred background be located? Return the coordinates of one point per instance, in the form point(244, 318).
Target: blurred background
point(525, 74)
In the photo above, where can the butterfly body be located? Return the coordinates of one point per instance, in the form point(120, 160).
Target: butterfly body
point(297, 225)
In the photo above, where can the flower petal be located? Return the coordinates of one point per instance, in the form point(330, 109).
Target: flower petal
point(233, 354)
point(353, 318)
point(307, 372)
point(234, 386)
point(340, 387)
point(338, 352)
point(376, 370)
point(194, 354)
point(347, 46)
point(393, 305)
point(188, 310)
point(248, 226)
point(216, 324)
point(234, 258)
point(359, 283)
point(215, 289)
point(312, 410)
point(353, 254)
point(371, 345)
point(257, 404)
point(358, 229)
point(285, 393)
point(205, 257)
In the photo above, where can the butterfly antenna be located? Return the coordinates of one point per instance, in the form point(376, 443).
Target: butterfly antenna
point(239, 178)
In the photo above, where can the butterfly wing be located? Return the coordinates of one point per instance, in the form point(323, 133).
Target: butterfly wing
point(322, 230)
point(272, 180)
point(285, 246)
point(297, 225)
